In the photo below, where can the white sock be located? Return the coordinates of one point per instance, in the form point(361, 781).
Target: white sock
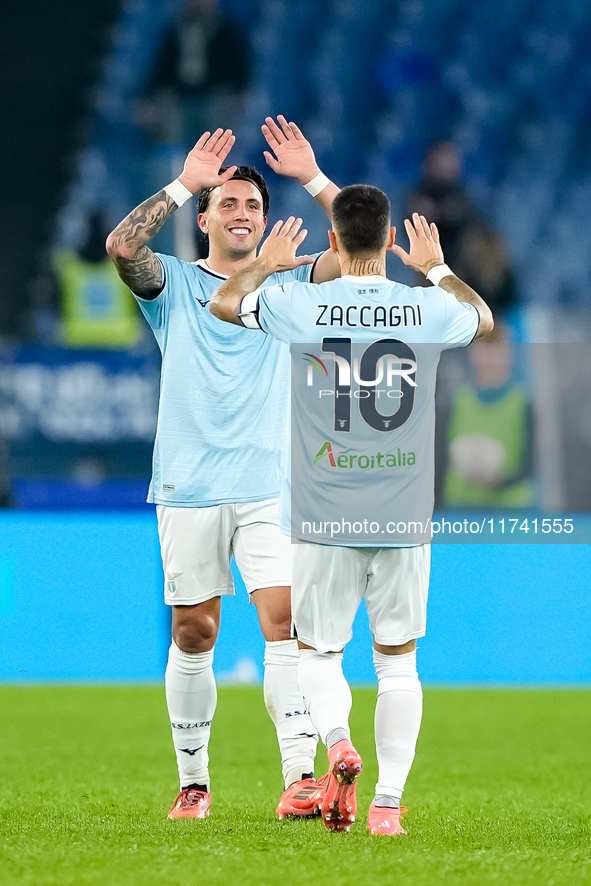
point(397, 721)
point(191, 697)
point(286, 706)
point(327, 693)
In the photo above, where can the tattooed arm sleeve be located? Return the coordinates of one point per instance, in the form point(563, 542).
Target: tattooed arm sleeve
point(136, 264)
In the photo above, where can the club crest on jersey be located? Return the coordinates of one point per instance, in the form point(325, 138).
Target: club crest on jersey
point(170, 581)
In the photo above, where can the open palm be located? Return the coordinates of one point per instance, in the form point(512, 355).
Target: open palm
point(292, 152)
point(202, 166)
point(425, 250)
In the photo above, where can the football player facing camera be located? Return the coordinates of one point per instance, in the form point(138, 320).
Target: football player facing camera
point(218, 453)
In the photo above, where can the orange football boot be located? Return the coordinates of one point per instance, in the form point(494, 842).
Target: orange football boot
point(191, 804)
point(339, 802)
point(386, 820)
point(302, 799)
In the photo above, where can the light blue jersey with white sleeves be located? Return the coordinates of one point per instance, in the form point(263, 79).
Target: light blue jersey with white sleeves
point(224, 393)
point(364, 357)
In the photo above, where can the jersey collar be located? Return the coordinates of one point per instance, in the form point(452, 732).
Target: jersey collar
point(372, 278)
point(202, 264)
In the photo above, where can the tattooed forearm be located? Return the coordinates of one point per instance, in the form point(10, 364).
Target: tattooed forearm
point(142, 273)
point(136, 264)
point(465, 293)
point(461, 290)
point(141, 224)
point(225, 302)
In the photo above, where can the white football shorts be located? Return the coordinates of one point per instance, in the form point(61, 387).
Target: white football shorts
point(197, 545)
point(330, 581)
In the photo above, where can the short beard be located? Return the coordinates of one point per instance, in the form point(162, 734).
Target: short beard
point(237, 254)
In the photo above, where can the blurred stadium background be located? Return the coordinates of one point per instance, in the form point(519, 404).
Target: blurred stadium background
point(95, 121)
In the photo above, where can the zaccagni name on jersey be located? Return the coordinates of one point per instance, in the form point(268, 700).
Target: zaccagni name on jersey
point(370, 316)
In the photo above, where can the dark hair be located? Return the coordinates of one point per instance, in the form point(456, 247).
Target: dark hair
point(245, 174)
point(361, 218)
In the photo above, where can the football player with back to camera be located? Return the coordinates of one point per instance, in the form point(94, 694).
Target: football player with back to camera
point(219, 448)
point(405, 328)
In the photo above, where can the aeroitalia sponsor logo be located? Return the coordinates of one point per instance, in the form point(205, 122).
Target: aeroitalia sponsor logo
point(378, 460)
point(325, 450)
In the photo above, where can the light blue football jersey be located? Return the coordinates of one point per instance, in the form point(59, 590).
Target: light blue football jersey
point(224, 395)
point(364, 352)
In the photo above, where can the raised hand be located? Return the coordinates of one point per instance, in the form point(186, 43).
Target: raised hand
point(425, 249)
point(202, 166)
point(292, 152)
point(280, 247)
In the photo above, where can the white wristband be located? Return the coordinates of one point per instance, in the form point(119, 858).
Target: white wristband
point(179, 193)
point(318, 183)
point(248, 309)
point(436, 274)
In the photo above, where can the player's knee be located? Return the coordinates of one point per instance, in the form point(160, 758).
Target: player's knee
point(274, 612)
point(410, 646)
point(280, 618)
point(276, 625)
point(196, 634)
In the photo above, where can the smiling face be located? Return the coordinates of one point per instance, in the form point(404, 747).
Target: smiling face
point(234, 220)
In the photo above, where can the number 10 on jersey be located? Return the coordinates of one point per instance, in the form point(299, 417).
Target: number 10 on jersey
point(385, 372)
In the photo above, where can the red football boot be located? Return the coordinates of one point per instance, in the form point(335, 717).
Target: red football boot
point(302, 799)
point(386, 820)
point(191, 804)
point(339, 803)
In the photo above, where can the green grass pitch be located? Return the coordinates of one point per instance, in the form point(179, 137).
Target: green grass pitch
point(500, 792)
